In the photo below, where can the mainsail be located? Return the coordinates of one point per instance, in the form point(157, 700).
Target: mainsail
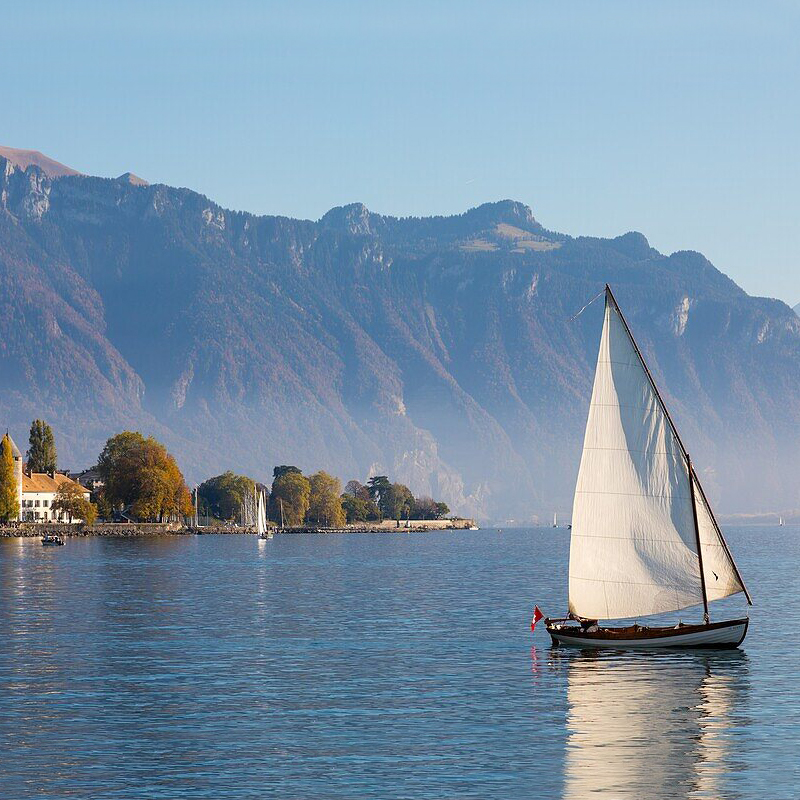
point(635, 541)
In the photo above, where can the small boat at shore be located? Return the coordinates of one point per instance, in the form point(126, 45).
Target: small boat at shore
point(52, 540)
point(644, 540)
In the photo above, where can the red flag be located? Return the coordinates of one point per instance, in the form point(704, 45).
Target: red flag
point(537, 615)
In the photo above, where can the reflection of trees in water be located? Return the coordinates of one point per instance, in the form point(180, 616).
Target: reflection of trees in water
point(652, 725)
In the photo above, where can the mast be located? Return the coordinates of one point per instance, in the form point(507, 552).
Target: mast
point(281, 501)
point(692, 478)
point(697, 536)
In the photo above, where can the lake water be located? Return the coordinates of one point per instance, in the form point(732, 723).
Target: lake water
point(373, 666)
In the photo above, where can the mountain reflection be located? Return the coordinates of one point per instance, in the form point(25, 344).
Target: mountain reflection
point(653, 725)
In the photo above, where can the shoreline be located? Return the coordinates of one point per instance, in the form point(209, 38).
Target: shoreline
point(30, 530)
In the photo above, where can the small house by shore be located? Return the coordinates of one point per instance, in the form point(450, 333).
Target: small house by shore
point(39, 490)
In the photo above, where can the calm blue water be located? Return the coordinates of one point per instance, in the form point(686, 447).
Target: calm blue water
point(372, 666)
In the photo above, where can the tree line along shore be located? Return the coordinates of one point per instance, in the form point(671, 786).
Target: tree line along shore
point(137, 481)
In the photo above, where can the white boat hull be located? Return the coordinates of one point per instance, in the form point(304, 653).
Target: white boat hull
point(721, 635)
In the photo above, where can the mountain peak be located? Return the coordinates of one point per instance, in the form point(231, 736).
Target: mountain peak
point(634, 245)
point(509, 212)
point(352, 218)
point(22, 159)
point(133, 180)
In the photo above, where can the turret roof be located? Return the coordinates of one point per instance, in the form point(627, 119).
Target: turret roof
point(14, 449)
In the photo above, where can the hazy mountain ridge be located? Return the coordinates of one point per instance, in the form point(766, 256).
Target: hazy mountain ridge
point(437, 349)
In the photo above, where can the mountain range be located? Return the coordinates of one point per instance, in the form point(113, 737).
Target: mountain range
point(441, 351)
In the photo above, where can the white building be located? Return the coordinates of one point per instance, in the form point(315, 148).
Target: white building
point(38, 494)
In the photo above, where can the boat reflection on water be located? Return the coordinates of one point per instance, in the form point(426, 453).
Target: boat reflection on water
point(656, 726)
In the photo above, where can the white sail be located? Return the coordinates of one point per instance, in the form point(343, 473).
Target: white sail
point(722, 578)
point(633, 548)
point(261, 516)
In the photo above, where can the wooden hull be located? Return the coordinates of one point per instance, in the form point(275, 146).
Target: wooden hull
point(720, 635)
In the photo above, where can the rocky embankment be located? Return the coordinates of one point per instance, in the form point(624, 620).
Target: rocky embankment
point(28, 530)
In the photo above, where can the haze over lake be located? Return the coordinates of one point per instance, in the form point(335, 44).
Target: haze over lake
point(362, 666)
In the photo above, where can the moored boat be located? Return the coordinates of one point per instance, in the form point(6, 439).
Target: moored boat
point(261, 519)
point(644, 540)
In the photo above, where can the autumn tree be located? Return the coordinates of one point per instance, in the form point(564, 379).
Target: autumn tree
point(325, 503)
point(140, 475)
point(70, 500)
point(289, 497)
point(41, 455)
point(357, 489)
point(9, 504)
point(357, 503)
point(424, 508)
point(224, 495)
point(428, 508)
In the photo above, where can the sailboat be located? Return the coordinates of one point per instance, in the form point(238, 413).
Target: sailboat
point(644, 539)
point(261, 519)
point(780, 521)
point(555, 519)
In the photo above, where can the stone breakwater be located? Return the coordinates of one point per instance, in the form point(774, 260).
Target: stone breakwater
point(24, 530)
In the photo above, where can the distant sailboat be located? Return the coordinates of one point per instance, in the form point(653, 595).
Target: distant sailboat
point(780, 521)
point(261, 519)
point(555, 519)
point(644, 539)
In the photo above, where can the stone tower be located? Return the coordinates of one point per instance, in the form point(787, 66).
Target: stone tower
point(17, 456)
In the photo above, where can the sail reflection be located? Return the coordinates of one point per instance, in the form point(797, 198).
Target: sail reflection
point(655, 726)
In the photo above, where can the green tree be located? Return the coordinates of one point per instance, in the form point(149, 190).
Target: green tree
point(41, 453)
point(442, 510)
point(70, 500)
point(140, 475)
point(380, 490)
point(290, 491)
point(9, 505)
point(357, 509)
point(104, 509)
point(399, 501)
point(324, 502)
point(283, 469)
point(224, 495)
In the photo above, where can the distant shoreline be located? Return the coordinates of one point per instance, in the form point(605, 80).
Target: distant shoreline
point(127, 530)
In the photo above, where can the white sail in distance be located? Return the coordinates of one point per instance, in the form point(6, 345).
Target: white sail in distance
point(261, 516)
point(634, 543)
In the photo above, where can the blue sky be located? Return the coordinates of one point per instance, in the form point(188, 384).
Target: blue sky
point(678, 119)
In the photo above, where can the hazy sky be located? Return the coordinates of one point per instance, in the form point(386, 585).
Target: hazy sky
point(678, 119)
